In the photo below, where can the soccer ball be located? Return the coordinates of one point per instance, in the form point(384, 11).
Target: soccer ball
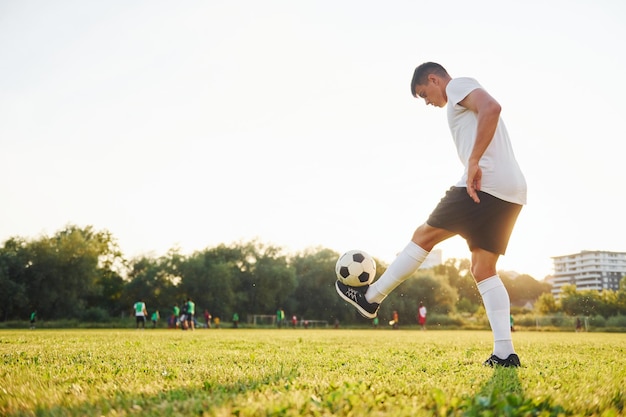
point(355, 268)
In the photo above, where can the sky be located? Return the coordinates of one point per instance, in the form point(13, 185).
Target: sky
point(191, 124)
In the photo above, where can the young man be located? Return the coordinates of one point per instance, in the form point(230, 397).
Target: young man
point(482, 207)
point(33, 318)
point(191, 314)
point(155, 317)
point(140, 313)
point(421, 315)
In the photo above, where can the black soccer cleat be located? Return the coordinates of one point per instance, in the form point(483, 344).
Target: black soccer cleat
point(511, 362)
point(356, 297)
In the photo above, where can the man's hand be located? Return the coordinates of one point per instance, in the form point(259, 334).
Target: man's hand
point(487, 112)
point(474, 177)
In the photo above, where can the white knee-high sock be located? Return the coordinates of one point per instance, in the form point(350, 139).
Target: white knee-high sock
point(400, 269)
point(498, 308)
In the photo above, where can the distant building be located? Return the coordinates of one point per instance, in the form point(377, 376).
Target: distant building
point(589, 270)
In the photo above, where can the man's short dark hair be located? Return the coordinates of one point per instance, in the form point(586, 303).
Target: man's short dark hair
point(420, 76)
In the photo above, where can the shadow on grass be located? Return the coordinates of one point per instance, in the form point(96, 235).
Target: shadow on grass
point(500, 395)
point(503, 395)
point(193, 401)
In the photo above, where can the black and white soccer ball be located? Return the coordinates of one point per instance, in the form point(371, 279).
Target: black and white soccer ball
point(356, 268)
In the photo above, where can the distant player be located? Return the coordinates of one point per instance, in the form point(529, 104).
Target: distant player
point(421, 315)
point(140, 313)
point(175, 317)
point(191, 314)
point(33, 319)
point(482, 207)
point(155, 318)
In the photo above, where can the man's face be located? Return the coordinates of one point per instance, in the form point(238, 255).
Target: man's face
point(433, 92)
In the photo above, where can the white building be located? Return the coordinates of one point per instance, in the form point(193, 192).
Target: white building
point(589, 270)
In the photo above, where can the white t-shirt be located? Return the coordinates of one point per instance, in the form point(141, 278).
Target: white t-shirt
point(502, 176)
point(139, 308)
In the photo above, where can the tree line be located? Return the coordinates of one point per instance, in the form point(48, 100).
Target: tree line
point(80, 273)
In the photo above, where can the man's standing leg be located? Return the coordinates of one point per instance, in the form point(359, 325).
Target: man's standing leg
point(497, 306)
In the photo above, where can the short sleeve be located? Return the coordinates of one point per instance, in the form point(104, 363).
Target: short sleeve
point(459, 88)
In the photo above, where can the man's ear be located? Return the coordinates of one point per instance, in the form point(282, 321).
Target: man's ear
point(433, 78)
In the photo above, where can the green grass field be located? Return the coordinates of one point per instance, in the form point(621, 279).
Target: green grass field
point(306, 372)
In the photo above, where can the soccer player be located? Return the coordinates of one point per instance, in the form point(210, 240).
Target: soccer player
point(33, 318)
point(482, 207)
point(191, 314)
point(421, 315)
point(140, 313)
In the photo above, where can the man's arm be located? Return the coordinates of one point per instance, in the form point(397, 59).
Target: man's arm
point(487, 111)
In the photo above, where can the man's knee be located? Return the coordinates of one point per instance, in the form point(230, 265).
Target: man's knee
point(426, 236)
point(482, 272)
point(483, 264)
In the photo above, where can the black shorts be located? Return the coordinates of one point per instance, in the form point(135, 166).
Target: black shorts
point(486, 225)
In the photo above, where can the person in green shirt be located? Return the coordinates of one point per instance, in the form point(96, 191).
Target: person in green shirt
point(191, 311)
point(176, 317)
point(236, 320)
point(140, 313)
point(33, 318)
point(155, 318)
point(280, 317)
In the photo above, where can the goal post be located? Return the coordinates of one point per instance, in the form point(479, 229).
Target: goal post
point(269, 320)
point(262, 319)
point(313, 323)
point(561, 321)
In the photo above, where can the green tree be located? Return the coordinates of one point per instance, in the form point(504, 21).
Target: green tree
point(60, 275)
point(111, 296)
point(609, 303)
point(246, 278)
point(153, 281)
point(13, 262)
point(209, 278)
point(265, 277)
point(547, 304)
point(621, 297)
point(460, 278)
point(524, 288)
point(315, 297)
point(424, 285)
point(108, 284)
point(577, 303)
